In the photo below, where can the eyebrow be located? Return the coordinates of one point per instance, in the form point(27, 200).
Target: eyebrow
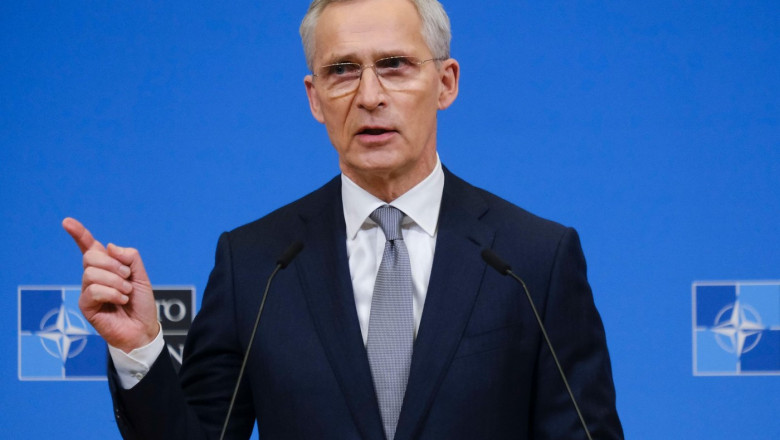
point(353, 58)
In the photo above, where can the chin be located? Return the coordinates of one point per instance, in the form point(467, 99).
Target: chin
point(377, 160)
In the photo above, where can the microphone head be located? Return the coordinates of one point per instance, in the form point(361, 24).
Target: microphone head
point(290, 253)
point(495, 261)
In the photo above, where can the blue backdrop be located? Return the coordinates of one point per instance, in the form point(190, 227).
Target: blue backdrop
point(651, 127)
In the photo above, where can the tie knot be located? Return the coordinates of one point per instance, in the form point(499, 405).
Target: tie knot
point(389, 219)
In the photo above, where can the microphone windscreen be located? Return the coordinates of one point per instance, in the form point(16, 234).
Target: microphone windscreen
point(290, 253)
point(495, 261)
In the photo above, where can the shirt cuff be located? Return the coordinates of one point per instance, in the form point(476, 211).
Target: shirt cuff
point(132, 367)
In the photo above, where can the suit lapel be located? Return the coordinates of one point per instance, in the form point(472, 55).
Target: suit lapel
point(455, 279)
point(327, 287)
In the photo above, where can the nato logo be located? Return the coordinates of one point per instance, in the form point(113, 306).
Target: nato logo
point(57, 343)
point(736, 328)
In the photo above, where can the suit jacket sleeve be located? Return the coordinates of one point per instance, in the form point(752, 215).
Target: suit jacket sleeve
point(577, 334)
point(193, 404)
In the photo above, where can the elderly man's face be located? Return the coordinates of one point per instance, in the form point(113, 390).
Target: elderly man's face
point(380, 133)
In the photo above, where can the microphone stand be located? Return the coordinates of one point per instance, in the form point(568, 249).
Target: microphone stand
point(499, 265)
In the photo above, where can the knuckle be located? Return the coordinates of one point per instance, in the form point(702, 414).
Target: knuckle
point(91, 258)
point(95, 274)
point(89, 274)
point(87, 292)
point(99, 293)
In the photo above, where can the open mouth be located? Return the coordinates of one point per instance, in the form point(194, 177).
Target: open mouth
point(374, 131)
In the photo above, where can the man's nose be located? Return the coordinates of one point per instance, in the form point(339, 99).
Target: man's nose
point(370, 92)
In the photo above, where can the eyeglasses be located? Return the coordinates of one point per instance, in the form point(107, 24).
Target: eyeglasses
point(394, 73)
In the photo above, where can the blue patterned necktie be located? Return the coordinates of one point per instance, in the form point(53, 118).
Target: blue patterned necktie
point(391, 324)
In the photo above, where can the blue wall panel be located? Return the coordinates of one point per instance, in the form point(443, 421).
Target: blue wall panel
point(651, 127)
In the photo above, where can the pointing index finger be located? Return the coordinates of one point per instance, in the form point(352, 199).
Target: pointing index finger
point(81, 235)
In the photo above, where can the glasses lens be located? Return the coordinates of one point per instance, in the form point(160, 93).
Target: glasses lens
point(339, 76)
point(397, 67)
point(395, 73)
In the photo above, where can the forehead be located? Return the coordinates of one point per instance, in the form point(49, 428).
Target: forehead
point(368, 28)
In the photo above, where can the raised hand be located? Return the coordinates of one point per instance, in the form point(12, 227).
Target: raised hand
point(116, 295)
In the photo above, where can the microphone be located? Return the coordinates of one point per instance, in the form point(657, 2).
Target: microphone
point(284, 260)
point(503, 268)
point(291, 252)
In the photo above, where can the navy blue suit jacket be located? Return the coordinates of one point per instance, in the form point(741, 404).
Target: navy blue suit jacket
point(480, 368)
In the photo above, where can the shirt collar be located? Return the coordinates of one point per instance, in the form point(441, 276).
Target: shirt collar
point(420, 204)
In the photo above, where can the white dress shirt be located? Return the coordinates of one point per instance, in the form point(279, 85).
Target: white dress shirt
point(366, 241)
point(365, 244)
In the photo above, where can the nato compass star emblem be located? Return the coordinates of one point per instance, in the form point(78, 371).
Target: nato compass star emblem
point(55, 341)
point(63, 333)
point(736, 328)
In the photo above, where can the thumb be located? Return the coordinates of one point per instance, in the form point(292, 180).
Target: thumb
point(131, 258)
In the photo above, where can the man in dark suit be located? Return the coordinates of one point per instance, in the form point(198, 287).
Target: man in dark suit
point(476, 366)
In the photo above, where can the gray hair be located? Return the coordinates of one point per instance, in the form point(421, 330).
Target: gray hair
point(435, 27)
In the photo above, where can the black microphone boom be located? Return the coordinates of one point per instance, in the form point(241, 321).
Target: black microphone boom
point(503, 268)
point(289, 254)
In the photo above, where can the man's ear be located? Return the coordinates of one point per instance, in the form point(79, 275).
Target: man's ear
point(314, 99)
point(449, 73)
